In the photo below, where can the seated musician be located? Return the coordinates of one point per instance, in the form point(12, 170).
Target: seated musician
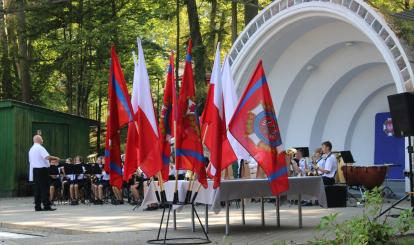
point(328, 165)
point(136, 187)
point(181, 173)
point(102, 182)
point(76, 182)
point(294, 169)
point(65, 180)
point(301, 163)
point(316, 162)
point(55, 181)
point(119, 198)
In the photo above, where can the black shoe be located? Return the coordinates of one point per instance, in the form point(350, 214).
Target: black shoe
point(38, 209)
point(151, 208)
point(49, 209)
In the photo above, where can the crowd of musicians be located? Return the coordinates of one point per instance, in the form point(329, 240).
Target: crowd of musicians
point(73, 181)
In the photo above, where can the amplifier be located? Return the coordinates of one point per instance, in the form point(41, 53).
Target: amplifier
point(336, 195)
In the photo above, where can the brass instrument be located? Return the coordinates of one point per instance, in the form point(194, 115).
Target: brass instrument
point(314, 171)
point(293, 169)
point(291, 151)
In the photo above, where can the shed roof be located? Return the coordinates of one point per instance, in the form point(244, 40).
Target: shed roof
point(14, 103)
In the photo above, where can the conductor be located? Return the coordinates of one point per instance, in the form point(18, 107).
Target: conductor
point(39, 172)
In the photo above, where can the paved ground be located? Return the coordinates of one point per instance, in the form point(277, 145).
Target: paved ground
point(110, 224)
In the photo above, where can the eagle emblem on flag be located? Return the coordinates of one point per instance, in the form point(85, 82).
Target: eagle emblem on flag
point(262, 127)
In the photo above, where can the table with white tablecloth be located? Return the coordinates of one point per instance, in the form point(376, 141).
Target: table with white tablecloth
point(310, 188)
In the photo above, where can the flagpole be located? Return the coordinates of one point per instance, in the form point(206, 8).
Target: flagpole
point(198, 189)
point(175, 200)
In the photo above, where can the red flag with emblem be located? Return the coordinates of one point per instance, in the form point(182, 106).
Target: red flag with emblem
point(119, 114)
point(254, 125)
point(167, 117)
point(189, 149)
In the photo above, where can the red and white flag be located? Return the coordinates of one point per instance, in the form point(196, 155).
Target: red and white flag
point(214, 125)
point(148, 141)
point(230, 100)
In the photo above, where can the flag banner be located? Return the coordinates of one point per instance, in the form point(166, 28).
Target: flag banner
point(214, 125)
point(131, 148)
point(148, 141)
point(189, 150)
point(254, 125)
point(167, 116)
point(119, 114)
point(230, 100)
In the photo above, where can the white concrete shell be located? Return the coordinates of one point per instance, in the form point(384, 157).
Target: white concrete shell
point(330, 65)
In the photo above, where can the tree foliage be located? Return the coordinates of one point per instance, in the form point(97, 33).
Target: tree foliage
point(55, 53)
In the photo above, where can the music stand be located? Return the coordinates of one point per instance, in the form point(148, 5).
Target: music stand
point(348, 159)
point(53, 170)
point(304, 150)
point(75, 169)
point(92, 169)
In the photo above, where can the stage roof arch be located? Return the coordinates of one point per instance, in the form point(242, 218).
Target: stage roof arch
point(329, 64)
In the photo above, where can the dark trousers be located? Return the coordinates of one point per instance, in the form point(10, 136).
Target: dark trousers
point(41, 187)
point(328, 181)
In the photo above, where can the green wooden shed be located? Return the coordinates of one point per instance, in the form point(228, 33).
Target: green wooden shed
point(64, 135)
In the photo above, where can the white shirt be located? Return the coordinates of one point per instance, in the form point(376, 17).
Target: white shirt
point(330, 164)
point(105, 176)
point(173, 170)
point(37, 158)
point(302, 165)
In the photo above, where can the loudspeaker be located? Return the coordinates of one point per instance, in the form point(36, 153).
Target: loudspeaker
point(336, 196)
point(402, 114)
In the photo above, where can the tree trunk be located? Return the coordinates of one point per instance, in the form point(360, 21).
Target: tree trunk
point(212, 35)
point(251, 9)
point(221, 31)
point(233, 20)
point(22, 53)
point(198, 47)
point(6, 79)
point(24, 66)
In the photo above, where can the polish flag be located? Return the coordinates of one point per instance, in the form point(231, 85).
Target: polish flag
point(214, 125)
point(148, 141)
point(230, 103)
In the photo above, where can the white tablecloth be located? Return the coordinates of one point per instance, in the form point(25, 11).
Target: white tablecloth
point(308, 187)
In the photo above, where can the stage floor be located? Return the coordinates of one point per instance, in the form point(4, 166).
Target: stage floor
point(109, 224)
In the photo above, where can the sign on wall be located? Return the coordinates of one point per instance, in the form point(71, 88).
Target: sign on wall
point(388, 148)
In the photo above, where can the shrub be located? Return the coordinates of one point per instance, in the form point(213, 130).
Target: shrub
point(366, 228)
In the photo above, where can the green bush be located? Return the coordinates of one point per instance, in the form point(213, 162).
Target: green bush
point(366, 228)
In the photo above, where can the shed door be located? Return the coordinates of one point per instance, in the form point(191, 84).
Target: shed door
point(55, 137)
